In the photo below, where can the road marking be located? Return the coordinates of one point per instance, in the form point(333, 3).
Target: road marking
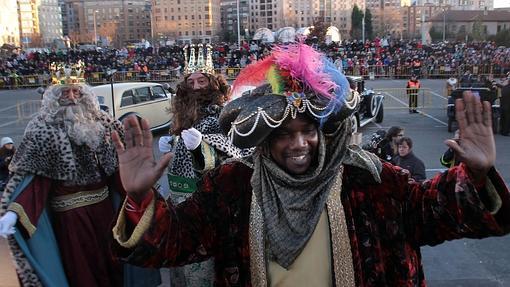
point(438, 95)
point(18, 120)
point(8, 123)
point(422, 113)
point(8, 108)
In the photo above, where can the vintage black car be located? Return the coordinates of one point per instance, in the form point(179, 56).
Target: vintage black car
point(370, 107)
point(485, 94)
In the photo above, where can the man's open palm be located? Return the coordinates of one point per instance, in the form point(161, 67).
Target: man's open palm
point(137, 167)
point(476, 146)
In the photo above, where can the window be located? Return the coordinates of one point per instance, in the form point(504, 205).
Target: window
point(158, 92)
point(127, 99)
point(143, 94)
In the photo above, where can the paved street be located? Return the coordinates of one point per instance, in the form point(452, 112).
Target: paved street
point(458, 263)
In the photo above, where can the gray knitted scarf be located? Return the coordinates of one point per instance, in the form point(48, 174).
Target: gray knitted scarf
point(291, 205)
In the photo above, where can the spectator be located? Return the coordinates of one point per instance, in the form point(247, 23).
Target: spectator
point(408, 161)
point(413, 88)
point(7, 150)
point(387, 148)
point(448, 159)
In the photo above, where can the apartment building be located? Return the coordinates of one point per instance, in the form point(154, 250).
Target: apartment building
point(9, 33)
point(459, 4)
point(229, 17)
point(273, 14)
point(50, 22)
point(187, 20)
point(28, 19)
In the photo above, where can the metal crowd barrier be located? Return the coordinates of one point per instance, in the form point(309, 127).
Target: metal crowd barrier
point(27, 109)
point(397, 98)
point(368, 72)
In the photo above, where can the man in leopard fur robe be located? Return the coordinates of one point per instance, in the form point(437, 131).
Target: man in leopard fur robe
point(59, 204)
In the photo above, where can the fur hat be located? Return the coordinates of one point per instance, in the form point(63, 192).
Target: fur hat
point(293, 79)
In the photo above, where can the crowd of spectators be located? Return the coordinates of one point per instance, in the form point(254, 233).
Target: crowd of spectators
point(352, 56)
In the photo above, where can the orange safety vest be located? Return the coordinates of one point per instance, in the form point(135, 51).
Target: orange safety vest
point(412, 87)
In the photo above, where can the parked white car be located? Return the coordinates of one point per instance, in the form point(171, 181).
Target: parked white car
point(144, 99)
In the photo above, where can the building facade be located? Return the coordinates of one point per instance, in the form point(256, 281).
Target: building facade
point(28, 19)
point(108, 23)
point(273, 14)
point(470, 24)
point(187, 20)
point(229, 18)
point(9, 33)
point(459, 4)
point(417, 15)
point(387, 18)
point(50, 22)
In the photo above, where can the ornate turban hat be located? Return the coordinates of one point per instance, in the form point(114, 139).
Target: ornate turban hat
point(293, 79)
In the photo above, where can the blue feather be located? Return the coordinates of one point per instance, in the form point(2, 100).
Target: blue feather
point(341, 91)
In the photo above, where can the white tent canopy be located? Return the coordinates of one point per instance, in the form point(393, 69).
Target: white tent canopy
point(264, 35)
point(333, 35)
point(305, 31)
point(286, 35)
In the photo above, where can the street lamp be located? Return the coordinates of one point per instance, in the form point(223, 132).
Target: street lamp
point(444, 24)
point(363, 28)
point(95, 28)
point(238, 27)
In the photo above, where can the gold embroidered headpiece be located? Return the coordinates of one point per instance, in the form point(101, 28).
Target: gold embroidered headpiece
point(196, 62)
point(62, 74)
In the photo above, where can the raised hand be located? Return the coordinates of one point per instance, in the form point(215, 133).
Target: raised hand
point(476, 146)
point(137, 167)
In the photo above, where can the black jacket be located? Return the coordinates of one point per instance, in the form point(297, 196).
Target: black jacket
point(413, 164)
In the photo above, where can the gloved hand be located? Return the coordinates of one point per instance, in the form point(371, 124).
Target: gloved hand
point(7, 223)
point(192, 138)
point(165, 144)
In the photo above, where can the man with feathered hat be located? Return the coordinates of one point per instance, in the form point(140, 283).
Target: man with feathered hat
point(59, 202)
point(308, 209)
point(199, 144)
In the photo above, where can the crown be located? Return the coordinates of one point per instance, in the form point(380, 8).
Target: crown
point(62, 74)
point(198, 65)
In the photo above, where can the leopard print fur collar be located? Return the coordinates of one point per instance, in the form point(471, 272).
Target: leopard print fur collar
point(46, 150)
point(182, 162)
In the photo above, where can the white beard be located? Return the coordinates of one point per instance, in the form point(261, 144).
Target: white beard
point(81, 126)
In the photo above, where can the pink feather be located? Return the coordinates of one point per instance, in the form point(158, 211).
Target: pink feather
point(305, 64)
point(253, 74)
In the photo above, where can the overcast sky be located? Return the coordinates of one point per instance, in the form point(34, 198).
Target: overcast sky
point(501, 3)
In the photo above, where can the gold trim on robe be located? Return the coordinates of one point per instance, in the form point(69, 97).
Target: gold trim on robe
point(119, 230)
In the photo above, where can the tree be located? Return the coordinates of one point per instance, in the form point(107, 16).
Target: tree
point(228, 36)
point(369, 29)
point(478, 33)
point(435, 35)
point(356, 19)
point(318, 32)
point(502, 38)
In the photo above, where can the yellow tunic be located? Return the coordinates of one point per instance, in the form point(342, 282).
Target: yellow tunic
point(313, 266)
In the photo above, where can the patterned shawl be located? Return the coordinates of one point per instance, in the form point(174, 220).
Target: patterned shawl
point(291, 205)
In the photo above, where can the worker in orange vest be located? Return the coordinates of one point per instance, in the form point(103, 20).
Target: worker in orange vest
point(413, 87)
